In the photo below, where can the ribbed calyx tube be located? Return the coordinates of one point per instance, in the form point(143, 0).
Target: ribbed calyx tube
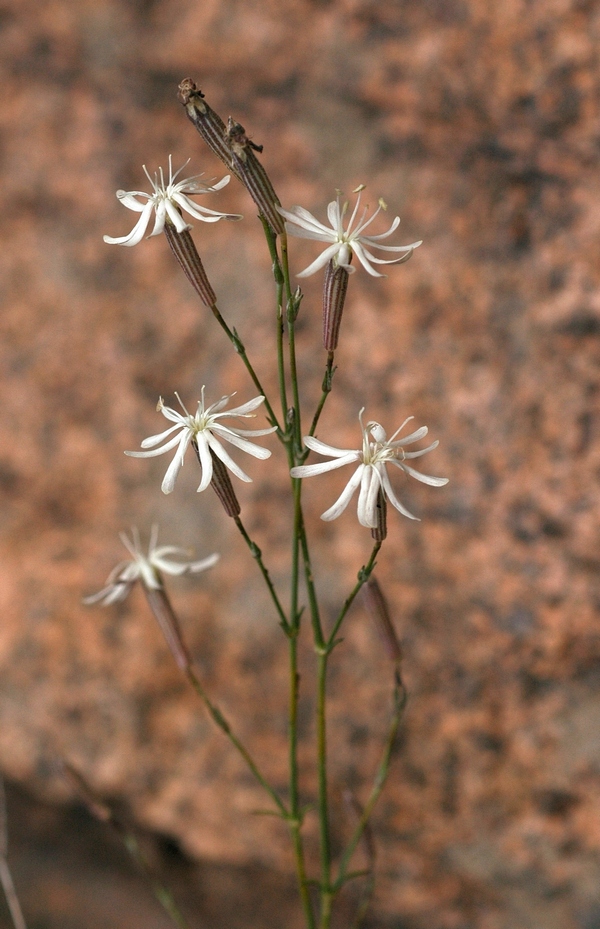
point(253, 175)
point(221, 484)
point(380, 531)
point(167, 620)
point(186, 253)
point(334, 296)
point(377, 606)
point(210, 126)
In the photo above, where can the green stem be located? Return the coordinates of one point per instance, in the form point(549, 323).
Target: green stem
point(293, 629)
point(241, 351)
point(400, 697)
point(325, 847)
point(362, 578)
point(257, 555)
point(279, 282)
point(222, 723)
point(326, 388)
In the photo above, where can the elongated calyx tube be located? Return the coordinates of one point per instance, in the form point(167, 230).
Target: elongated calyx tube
point(379, 532)
point(186, 253)
point(167, 620)
point(334, 296)
point(253, 175)
point(377, 606)
point(221, 484)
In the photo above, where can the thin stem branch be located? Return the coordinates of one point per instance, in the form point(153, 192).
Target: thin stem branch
point(104, 813)
point(240, 349)
point(400, 697)
point(257, 555)
point(326, 390)
point(222, 723)
point(362, 578)
point(12, 900)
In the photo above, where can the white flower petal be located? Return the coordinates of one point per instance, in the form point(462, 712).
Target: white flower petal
point(205, 461)
point(227, 460)
point(257, 451)
point(137, 233)
point(389, 492)
point(424, 478)
point(321, 261)
point(346, 495)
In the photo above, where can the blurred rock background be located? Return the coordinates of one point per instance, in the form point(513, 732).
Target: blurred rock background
point(478, 123)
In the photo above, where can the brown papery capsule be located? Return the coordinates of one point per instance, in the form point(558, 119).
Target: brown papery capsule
point(334, 297)
point(208, 123)
point(186, 253)
point(376, 604)
point(253, 175)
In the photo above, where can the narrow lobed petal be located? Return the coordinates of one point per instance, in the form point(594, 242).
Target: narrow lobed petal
point(346, 495)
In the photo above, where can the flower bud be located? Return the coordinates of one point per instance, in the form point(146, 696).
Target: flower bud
point(376, 604)
point(186, 253)
point(334, 297)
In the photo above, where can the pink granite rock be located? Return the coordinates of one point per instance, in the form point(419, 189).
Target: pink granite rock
point(478, 125)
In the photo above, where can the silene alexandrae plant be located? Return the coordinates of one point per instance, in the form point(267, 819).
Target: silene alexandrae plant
point(218, 433)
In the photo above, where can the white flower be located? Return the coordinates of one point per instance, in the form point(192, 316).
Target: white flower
point(146, 568)
point(377, 451)
point(303, 224)
point(204, 429)
point(167, 200)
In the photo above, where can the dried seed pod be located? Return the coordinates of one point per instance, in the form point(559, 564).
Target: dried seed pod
point(253, 175)
point(208, 123)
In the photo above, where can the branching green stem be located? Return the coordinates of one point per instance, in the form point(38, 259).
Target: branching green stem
point(257, 555)
point(224, 726)
point(241, 351)
point(400, 697)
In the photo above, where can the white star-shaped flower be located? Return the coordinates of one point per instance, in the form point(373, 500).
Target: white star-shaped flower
point(344, 242)
point(205, 430)
point(167, 200)
point(371, 475)
point(146, 568)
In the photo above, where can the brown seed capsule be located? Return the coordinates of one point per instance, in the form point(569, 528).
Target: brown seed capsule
point(334, 297)
point(210, 126)
point(167, 620)
point(376, 604)
point(379, 533)
point(253, 175)
point(186, 253)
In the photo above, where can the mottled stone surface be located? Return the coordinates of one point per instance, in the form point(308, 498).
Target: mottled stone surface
point(478, 123)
